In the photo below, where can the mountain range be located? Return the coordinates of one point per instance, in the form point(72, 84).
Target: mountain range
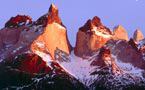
point(37, 55)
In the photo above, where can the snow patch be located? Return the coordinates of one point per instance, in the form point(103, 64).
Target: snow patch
point(1, 60)
point(45, 57)
point(17, 49)
point(99, 33)
point(141, 44)
point(80, 68)
point(40, 44)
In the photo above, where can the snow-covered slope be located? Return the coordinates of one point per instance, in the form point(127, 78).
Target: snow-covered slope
point(45, 57)
point(38, 56)
point(129, 68)
point(80, 68)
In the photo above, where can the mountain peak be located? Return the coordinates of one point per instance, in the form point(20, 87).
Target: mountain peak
point(91, 36)
point(91, 23)
point(120, 33)
point(53, 15)
point(53, 8)
point(88, 26)
point(96, 21)
point(138, 35)
point(50, 17)
point(119, 28)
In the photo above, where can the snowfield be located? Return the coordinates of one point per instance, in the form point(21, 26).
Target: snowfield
point(77, 67)
point(128, 68)
point(80, 68)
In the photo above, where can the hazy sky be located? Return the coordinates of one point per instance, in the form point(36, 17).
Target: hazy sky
point(74, 13)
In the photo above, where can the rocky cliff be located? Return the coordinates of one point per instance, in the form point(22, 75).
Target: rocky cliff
point(54, 35)
point(29, 37)
point(92, 36)
point(138, 36)
point(120, 33)
point(36, 55)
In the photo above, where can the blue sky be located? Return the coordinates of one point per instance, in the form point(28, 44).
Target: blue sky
point(74, 13)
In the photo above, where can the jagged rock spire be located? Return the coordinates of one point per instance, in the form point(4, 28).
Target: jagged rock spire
point(138, 35)
point(53, 9)
point(96, 21)
point(55, 34)
point(50, 17)
point(120, 33)
point(53, 15)
point(88, 26)
point(91, 36)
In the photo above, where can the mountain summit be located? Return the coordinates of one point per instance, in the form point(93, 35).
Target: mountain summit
point(54, 34)
point(91, 36)
point(44, 35)
point(138, 36)
point(53, 15)
point(37, 55)
point(120, 33)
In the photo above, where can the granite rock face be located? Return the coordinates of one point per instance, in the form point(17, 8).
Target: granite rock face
point(138, 36)
point(48, 31)
point(90, 37)
point(54, 35)
point(120, 33)
point(36, 55)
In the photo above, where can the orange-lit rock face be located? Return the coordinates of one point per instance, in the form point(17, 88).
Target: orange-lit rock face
point(50, 32)
point(50, 17)
point(92, 36)
point(138, 36)
point(97, 42)
point(53, 15)
point(54, 36)
point(120, 33)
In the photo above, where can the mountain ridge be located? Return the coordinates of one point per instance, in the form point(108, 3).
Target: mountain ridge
point(40, 54)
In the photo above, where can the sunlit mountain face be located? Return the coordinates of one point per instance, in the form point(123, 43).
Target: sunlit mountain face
point(37, 55)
